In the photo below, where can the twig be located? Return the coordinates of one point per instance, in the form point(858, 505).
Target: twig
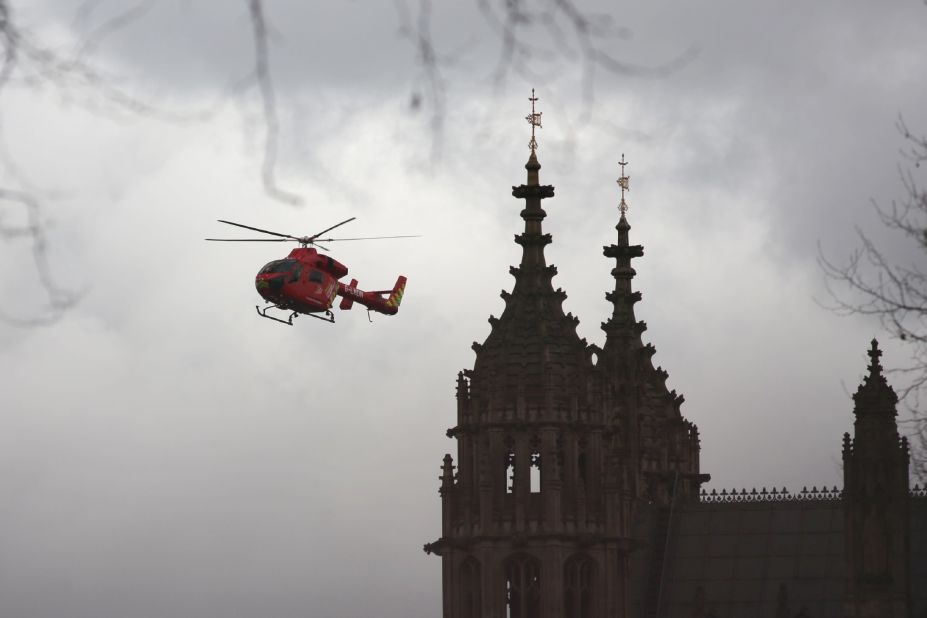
point(269, 105)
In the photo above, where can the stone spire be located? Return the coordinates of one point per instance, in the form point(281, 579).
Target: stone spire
point(875, 397)
point(533, 240)
point(875, 429)
point(553, 453)
point(623, 331)
point(634, 392)
point(875, 501)
point(532, 357)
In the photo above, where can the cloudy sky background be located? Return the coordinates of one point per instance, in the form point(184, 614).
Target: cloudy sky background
point(164, 452)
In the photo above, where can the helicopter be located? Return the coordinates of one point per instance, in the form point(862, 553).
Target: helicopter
point(306, 282)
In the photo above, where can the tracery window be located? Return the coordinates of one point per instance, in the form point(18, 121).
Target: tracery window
point(578, 587)
point(535, 476)
point(510, 472)
point(522, 587)
point(470, 605)
point(509, 463)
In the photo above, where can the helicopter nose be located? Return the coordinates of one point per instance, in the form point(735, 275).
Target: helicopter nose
point(268, 285)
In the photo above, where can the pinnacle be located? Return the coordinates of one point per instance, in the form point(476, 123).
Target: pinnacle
point(875, 368)
point(622, 326)
point(532, 350)
point(874, 396)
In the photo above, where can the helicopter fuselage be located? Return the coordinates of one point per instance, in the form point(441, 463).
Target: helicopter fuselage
point(307, 282)
point(304, 281)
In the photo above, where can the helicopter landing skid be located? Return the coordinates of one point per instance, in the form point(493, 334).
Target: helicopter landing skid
point(263, 314)
point(329, 316)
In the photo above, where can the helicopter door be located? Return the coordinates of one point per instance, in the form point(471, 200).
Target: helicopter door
point(315, 276)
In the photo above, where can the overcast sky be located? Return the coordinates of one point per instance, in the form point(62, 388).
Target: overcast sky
point(166, 453)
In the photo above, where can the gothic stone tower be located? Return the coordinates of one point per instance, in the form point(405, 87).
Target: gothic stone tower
point(876, 509)
point(558, 443)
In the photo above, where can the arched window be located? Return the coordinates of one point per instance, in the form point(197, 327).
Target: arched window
point(535, 477)
point(522, 587)
point(510, 472)
point(578, 587)
point(470, 604)
point(509, 463)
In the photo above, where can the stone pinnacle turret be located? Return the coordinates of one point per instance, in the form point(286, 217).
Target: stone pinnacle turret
point(533, 358)
point(623, 331)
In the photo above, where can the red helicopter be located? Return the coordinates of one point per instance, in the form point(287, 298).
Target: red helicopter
point(306, 282)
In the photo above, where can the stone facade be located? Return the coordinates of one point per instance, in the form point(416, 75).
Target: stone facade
point(576, 488)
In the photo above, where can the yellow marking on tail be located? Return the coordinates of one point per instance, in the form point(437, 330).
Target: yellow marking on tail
point(396, 297)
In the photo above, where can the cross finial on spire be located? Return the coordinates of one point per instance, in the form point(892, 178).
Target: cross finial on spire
point(623, 182)
point(534, 119)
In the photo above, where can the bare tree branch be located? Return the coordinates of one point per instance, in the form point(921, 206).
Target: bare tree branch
point(580, 37)
point(429, 88)
point(114, 24)
point(27, 61)
point(871, 284)
point(59, 299)
point(269, 104)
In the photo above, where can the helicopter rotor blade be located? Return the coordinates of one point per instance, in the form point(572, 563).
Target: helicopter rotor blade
point(251, 239)
point(257, 229)
point(370, 238)
point(314, 236)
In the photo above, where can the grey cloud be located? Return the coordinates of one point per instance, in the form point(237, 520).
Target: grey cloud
point(163, 452)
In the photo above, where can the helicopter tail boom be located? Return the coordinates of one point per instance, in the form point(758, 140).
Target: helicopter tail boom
point(372, 300)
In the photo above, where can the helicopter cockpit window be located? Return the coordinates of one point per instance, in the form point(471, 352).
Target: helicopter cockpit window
point(315, 276)
point(279, 266)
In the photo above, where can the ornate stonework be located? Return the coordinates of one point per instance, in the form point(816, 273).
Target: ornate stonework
point(577, 490)
point(876, 495)
point(557, 442)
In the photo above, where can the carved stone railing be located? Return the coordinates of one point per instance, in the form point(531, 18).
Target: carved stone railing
point(774, 495)
point(784, 495)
